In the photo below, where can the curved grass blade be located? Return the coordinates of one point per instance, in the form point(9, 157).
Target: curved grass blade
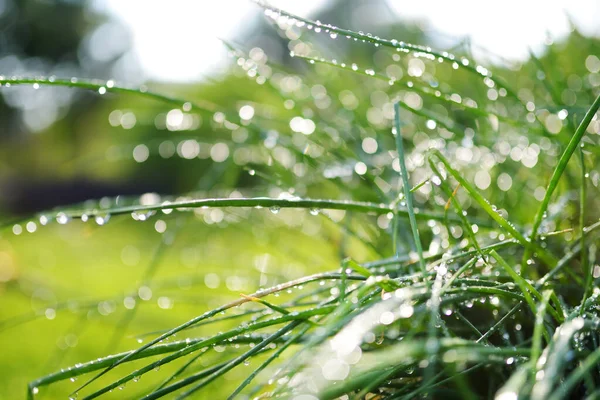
point(94, 365)
point(409, 352)
point(220, 338)
point(259, 202)
point(458, 208)
point(211, 313)
point(555, 354)
point(272, 358)
point(226, 368)
point(103, 87)
point(425, 51)
point(590, 362)
point(526, 288)
point(487, 207)
point(562, 165)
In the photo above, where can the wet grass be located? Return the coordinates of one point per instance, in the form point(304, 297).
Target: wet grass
point(414, 275)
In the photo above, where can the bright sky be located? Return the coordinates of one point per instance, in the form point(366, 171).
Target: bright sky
point(177, 40)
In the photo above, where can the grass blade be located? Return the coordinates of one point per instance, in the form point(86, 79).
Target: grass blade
point(562, 165)
point(407, 193)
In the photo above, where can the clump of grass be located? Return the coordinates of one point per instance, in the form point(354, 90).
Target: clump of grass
point(459, 298)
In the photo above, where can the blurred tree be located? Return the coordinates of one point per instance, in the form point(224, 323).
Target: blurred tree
point(45, 38)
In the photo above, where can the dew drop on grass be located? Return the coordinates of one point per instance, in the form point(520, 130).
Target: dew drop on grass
point(35, 390)
point(102, 219)
point(62, 218)
point(314, 211)
point(275, 209)
point(142, 215)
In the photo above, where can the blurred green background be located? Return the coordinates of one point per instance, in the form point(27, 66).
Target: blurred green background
point(267, 125)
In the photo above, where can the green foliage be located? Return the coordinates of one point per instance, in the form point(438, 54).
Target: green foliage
point(390, 266)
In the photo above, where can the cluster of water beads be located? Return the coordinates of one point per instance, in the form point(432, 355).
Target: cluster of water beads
point(101, 86)
point(283, 18)
point(495, 89)
point(449, 97)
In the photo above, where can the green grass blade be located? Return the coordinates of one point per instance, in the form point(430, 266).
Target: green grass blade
point(407, 193)
point(220, 338)
point(587, 271)
point(102, 87)
point(208, 315)
point(260, 202)
point(489, 209)
point(590, 362)
point(233, 363)
point(272, 358)
point(562, 165)
point(539, 329)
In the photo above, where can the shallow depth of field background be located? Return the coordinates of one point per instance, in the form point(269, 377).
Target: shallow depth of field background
point(64, 288)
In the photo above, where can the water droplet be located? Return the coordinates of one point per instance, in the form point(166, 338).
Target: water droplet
point(275, 209)
point(314, 211)
point(102, 219)
point(142, 215)
point(62, 218)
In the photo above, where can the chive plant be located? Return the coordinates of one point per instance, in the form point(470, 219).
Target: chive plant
point(476, 273)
